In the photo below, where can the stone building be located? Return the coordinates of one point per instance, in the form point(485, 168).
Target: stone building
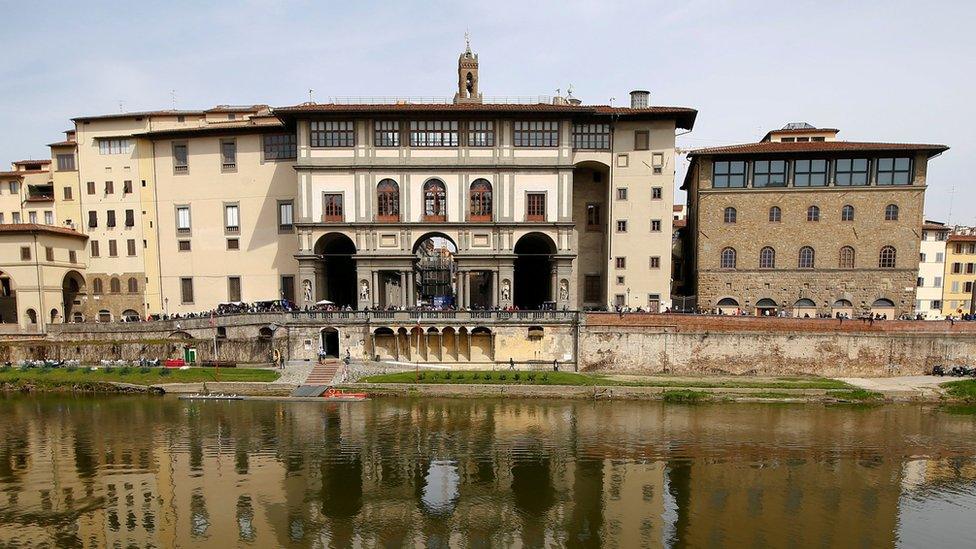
point(931, 270)
point(959, 296)
point(806, 224)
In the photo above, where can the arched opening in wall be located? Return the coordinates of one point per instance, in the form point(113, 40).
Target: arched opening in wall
point(180, 335)
point(8, 300)
point(329, 342)
point(31, 316)
point(533, 271)
point(804, 308)
point(72, 293)
point(727, 306)
point(536, 332)
point(384, 343)
point(131, 315)
point(481, 347)
point(54, 316)
point(766, 307)
point(265, 333)
point(77, 317)
point(883, 308)
point(104, 315)
point(590, 215)
point(450, 348)
point(434, 270)
point(842, 308)
point(337, 283)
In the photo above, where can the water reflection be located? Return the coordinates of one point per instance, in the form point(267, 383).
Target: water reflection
point(120, 471)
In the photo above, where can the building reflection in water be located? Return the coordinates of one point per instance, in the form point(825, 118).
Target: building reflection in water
point(94, 472)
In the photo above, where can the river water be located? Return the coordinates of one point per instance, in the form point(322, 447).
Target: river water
point(123, 471)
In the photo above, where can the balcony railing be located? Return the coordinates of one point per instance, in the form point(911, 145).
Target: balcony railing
point(419, 316)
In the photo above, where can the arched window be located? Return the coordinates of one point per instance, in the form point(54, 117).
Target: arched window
point(97, 286)
point(767, 258)
point(891, 212)
point(806, 259)
point(847, 213)
point(728, 258)
point(846, 260)
point(480, 195)
point(104, 316)
point(775, 214)
point(813, 213)
point(133, 286)
point(387, 201)
point(115, 286)
point(435, 201)
point(32, 316)
point(887, 257)
point(730, 215)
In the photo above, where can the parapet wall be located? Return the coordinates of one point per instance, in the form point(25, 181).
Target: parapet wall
point(697, 345)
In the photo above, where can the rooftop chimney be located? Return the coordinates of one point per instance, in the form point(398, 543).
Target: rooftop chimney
point(639, 99)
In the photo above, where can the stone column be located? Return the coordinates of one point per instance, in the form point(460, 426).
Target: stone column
point(554, 292)
point(459, 290)
point(411, 288)
point(467, 288)
point(375, 290)
point(403, 289)
point(493, 290)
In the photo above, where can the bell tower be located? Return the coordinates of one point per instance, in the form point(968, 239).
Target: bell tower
point(467, 75)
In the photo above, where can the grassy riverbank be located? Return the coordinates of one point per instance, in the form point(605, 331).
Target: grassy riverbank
point(961, 390)
point(508, 377)
point(60, 377)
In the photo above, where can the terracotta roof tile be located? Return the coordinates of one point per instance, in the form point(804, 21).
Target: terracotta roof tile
point(931, 226)
point(238, 126)
point(962, 238)
point(63, 144)
point(37, 227)
point(137, 114)
point(772, 147)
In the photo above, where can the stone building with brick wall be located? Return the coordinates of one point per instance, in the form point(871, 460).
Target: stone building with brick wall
point(804, 224)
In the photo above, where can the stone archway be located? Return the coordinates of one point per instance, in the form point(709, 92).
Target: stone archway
point(8, 299)
point(533, 271)
point(337, 274)
point(435, 269)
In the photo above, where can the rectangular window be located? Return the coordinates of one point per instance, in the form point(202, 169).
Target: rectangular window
point(228, 154)
point(49, 218)
point(591, 136)
point(332, 133)
point(955, 287)
point(621, 225)
point(728, 174)
point(769, 173)
point(25, 253)
point(15, 217)
point(967, 287)
point(386, 133)
point(66, 162)
point(434, 133)
point(286, 213)
point(592, 289)
point(920, 282)
point(655, 262)
point(233, 244)
point(232, 220)
point(535, 207)
point(32, 217)
point(49, 253)
point(67, 193)
point(110, 218)
point(621, 280)
point(655, 225)
point(656, 193)
point(127, 186)
point(481, 133)
point(280, 146)
point(288, 287)
point(620, 262)
point(72, 256)
point(332, 207)
point(14, 187)
point(130, 218)
point(109, 187)
point(894, 171)
point(92, 219)
point(114, 146)
point(130, 247)
point(186, 290)
point(91, 187)
point(113, 248)
point(183, 245)
point(180, 158)
point(183, 219)
point(536, 134)
point(851, 172)
point(94, 248)
point(619, 300)
point(622, 193)
point(233, 288)
point(593, 217)
point(642, 140)
point(938, 282)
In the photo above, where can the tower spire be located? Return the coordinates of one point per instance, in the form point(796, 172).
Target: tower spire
point(467, 74)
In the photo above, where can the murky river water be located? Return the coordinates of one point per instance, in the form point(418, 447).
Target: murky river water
point(159, 472)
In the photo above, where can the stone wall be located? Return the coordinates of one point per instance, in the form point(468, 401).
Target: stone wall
point(696, 345)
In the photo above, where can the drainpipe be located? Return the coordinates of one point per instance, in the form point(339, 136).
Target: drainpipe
point(609, 224)
point(41, 323)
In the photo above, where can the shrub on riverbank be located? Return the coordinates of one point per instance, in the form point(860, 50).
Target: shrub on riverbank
point(467, 377)
point(961, 390)
point(51, 378)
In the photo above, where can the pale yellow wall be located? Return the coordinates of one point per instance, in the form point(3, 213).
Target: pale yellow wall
point(66, 210)
point(958, 302)
point(256, 185)
point(38, 282)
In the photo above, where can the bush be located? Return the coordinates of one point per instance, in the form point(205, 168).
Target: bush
point(447, 375)
point(487, 376)
point(163, 372)
point(517, 376)
point(502, 376)
point(5, 368)
point(423, 375)
point(125, 370)
point(109, 369)
point(530, 376)
point(145, 370)
point(545, 377)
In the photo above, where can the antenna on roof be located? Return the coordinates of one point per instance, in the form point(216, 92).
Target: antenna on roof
point(569, 91)
point(952, 192)
point(310, 94)
point(172, 98)
point(612, 99)
point(121, 106)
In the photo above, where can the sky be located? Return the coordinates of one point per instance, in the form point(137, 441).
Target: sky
point(879, 71)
